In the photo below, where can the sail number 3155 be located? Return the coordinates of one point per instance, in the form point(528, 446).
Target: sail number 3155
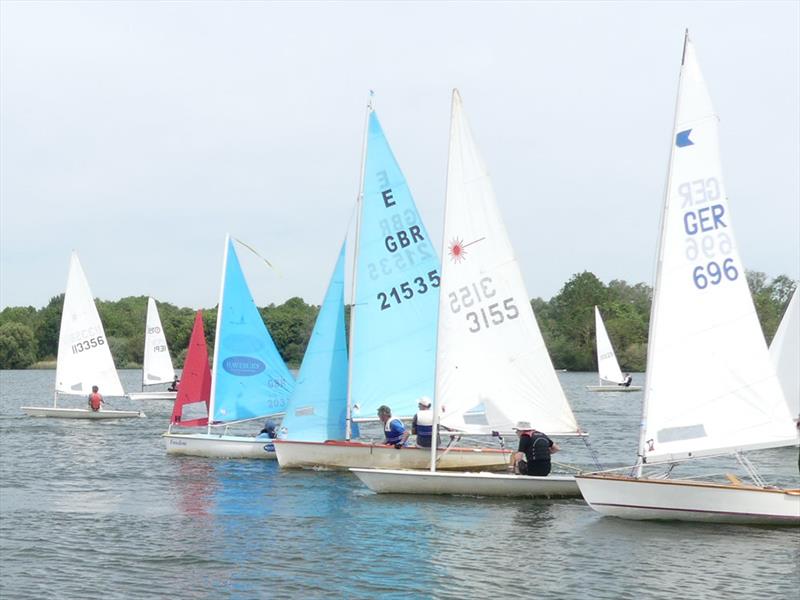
point(482, 317)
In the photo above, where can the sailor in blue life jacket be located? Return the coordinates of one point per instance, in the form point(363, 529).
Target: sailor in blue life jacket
point(422, 424)
point(269, 430)
point(393, 429)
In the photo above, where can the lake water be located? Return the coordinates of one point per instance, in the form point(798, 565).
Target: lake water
point(95, 509)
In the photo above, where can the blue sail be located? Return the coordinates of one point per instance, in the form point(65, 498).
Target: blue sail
point(318, 407)
point(397, 291)
point(250, 377)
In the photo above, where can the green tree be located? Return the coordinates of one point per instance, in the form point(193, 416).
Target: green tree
point(17, 346)
point(48, 323)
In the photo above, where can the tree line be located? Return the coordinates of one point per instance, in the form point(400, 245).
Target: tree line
point(29, 336)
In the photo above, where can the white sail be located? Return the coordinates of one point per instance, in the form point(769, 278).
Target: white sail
point(785, 353)
point(157, 367)
point(711, 386)
point(490, 349)
point(607, 365)
point(84, 357)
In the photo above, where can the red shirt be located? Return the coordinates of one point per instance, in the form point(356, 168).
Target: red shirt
point(95, 400)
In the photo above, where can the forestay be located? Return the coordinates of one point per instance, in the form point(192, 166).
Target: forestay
point(396, 291)
point(490, 349)
point(710, 384)
point(84, 357)
point(250, 378)
point(785, 353)
point(607, 365)
point(318, 408)
point(157, 364)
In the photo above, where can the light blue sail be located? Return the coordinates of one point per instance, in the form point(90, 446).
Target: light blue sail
point(397, 291)
point(318, 407)
point(250, 377)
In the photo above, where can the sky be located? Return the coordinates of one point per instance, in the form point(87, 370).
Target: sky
point(140, 133)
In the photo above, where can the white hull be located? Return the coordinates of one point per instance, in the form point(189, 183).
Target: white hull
point(384, 481)
point(344, 455)
point(80, 413)
point(614, 388)
point(152, 395)
point(212, 445)
point(630, 498)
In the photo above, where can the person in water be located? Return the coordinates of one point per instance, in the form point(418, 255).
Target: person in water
point(536, 448)
point(393, 429)
point(95, 399)
point(173, 387)
point(627, 381)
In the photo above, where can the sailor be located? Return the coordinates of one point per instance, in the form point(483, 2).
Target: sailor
point(422, 424)
point(95, 399)
point(536, 448)
point(393, 429)
point(626, 382)
point(269, 430)
point(173, 387)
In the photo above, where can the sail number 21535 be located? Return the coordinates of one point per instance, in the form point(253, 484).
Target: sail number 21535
point(484, 312)
point(407, 290)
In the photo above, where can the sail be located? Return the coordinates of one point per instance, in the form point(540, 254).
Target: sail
point(318, 407)
point(785, 353)
point(250, 378)
point(157, 367)
point(490, 349)
point(84, 357)
point(195, 387)
point(397, 275)
point(711, 386)
point(607, 365)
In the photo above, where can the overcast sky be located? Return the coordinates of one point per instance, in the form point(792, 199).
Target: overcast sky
point(140, 133)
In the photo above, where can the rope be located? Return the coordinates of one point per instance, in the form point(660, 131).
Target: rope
point(269, 264)
point(593, 452)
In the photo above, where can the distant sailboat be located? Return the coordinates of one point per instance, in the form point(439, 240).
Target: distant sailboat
point(157, 365)
point(392, 327)
point(84, 357)
point(607, 365)
point(785, 353)
point(703, 326)
point(490, 350)
point(250, 381)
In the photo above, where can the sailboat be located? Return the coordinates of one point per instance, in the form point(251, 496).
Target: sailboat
point(157, 368)
point(393, 325)
point(249, 381)
point(703, 325)
point(490, 351)
point(84, 357)
point(607, 365)
point(785, 353)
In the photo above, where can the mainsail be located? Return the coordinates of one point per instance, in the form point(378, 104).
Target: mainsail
point(195, 385)
point(607, 365)
point(157, 364)
point(785, 353)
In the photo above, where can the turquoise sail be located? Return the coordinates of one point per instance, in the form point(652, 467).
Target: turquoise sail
point(397, 291)
point(318, 407)
point(250, 378)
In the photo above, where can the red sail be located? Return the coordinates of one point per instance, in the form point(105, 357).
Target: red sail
point(195, 384)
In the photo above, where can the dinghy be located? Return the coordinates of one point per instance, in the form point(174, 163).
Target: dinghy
point(785, 353)
point(249, 381)
point(703, 325)
point(392, 328)
point(490, 350)
point(84, 358)
point(157, 366)
point(610, 378)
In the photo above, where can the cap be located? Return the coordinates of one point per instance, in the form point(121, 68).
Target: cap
point(523, 426)
point(425, 401)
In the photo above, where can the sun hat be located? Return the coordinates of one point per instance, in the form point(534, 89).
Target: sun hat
point(523, 426)
point(425, 401)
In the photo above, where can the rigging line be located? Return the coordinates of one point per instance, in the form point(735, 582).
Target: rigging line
point(593, 452)
point(269, 264)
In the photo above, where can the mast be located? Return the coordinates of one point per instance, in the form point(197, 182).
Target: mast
point(354, 286)
point(659, 262)
point(211, 401)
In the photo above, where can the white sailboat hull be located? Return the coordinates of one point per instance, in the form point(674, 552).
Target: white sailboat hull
point(344, 455)
point(152, 395)
point(644, 499)
point(212, 445)
point(385, 481)
point(80, 413)
point(614, 388)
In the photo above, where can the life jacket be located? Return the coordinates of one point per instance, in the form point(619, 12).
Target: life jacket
point(540, 447)
point(425, 423)
point(393, 437)
point(95, 400)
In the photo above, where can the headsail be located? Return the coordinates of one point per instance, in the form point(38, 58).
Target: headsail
point(710, 384)
point(250, 378)
point(607, 365)
point(490, 349)
point(84, 356)
point(785, 353)
point(157, 367)
point(397, 291)
point(318, 408)
point(195, 385)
